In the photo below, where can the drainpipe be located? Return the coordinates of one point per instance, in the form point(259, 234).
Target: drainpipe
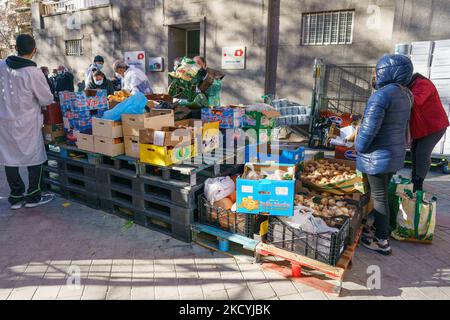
point(272, 40)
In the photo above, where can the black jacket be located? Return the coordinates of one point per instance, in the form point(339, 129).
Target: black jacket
point(64, 82)
point(106, 85)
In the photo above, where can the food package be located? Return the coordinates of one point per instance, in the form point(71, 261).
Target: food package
point(327, 207)
point(227, 220)
point(187, 70)
point(119, 96)
point(333, 176)
point(218, 188)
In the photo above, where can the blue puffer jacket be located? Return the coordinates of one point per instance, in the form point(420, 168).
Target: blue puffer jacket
point(381, 140)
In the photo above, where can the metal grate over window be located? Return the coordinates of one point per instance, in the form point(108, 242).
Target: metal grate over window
point(74, 47)
point(330, 27)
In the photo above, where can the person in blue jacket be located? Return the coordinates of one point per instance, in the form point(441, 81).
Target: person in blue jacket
point(381, 141)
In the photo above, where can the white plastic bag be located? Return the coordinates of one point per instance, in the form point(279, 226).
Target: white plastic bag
point(218, 188)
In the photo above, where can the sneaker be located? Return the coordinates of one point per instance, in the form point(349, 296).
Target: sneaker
point(369, 231)
point(374, 244)
point(45, 198)
point(17, 205)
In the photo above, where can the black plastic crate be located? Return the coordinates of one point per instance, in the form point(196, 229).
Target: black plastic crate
point(176, 230)
point(122, 209)
point(227, 220)
point(80, 195)
point(325, 247)
point(79, 182)
point(111, 181)
point(171, 191)
point(122, 163)
point(79, 168)
point(165, 211)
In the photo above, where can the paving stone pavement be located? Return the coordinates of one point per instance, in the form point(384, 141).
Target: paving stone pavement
point(42, 248)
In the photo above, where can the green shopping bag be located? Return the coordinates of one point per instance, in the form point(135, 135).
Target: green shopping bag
point(416, 218)
point(393, 199)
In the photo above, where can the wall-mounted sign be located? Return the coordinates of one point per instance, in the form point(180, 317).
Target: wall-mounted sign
point(155, 64)
point(233, 58)
point(135, 58)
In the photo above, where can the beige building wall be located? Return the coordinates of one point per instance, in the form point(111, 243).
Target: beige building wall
point(145, 25)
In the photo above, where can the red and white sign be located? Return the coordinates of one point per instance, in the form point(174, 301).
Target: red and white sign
point(135, 58)
point(233, 58)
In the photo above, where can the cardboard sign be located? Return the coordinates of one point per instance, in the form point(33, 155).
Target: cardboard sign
point(233, 58)
point(136, 58)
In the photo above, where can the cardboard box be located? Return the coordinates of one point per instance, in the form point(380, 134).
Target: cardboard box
point(344, 153)
point(107, 128)
point(268, 197)
point(272, 153)
point(357, 184)
point(206, 131)
point(52, 114)
point(164, 156)
point(109, 146)
point(166, 137)
point(155, 119)
point(85, 142)
point(261, 120)
point(229, 117)
point(53, 133)
point(132, 146)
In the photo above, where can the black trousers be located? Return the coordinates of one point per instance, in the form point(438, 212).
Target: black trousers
point(421, 150)
point(35, 181)
point(379, 184)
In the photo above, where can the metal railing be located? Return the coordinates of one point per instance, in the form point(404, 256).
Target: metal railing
point(55, 7)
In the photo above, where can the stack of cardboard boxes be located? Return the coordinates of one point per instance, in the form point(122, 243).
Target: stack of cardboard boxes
point(107, 138)
point(132, 123)
point(53, 124)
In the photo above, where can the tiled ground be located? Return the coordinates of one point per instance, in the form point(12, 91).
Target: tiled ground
point(40, 248)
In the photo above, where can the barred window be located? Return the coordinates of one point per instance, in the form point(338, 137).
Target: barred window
point(331, 27)
point(74, 47)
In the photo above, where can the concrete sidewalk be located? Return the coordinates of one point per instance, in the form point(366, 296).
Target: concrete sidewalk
point(41, 248)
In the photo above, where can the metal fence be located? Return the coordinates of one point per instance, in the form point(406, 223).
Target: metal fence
point(340, 89)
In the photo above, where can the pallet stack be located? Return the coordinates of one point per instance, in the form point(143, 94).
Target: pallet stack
point(161, 198)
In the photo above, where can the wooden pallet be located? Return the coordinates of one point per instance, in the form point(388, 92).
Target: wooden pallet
point(222, 241)
point(309, 271)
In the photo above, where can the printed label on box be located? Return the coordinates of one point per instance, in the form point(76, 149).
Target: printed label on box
point(281, 191)
point(158, 138)
point(247, 189)
point(135, 147)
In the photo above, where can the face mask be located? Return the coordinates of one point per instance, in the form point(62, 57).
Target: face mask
point(98, 82)
point(59, 73)
point(99, 66)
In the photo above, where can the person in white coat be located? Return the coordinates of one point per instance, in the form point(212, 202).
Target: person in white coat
point(24, 91)
point(133, 79)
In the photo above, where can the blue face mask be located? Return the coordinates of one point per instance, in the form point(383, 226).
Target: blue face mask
point(99, 66)
point(98, 82)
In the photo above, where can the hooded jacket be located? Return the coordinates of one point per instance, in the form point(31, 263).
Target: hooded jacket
point(24, 91)
point(381, 141)
point(106, 85)
point(428, 114)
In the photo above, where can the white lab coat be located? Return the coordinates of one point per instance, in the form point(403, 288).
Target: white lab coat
point(22, 93)
point(135, 80)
